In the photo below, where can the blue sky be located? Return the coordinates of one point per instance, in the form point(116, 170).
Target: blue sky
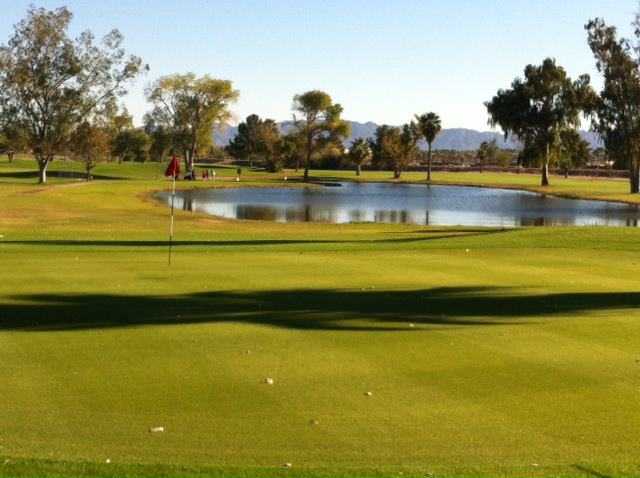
point(382, 60)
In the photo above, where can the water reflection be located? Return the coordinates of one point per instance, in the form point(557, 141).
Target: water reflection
point(188, 204)
point(404, 204)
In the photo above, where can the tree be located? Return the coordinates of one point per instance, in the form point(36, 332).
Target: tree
point(617, 109)
point(574, 152)
point(256, 138)
point(392, 149)
point(321, 124)
point(429, 126)
point(50, 83)
point(113, 120)
point(505, 158)
point(131, 145)
point(395, 147)
point(14, 139)
point(90, 144)
point(568, 151)
point(408, 147)
point(270, 145)
point(338, 131)
point(191, 107)
point(487, 152)
point(244, 145)
point(291, 148)
point(379, 157)
point(359, 153)
point(116, 120)
point(161, 143)
point(539, 107)
point(120, 121)
point(4, 146)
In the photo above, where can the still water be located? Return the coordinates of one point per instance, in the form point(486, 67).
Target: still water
point(403, 203)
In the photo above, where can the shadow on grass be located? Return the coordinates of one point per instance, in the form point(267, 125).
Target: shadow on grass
point(426, 235)
point(591, 472)
point(54, 174)
point(133, 244)
point(323, 309)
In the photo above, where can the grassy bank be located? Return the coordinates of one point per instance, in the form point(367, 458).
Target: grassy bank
point(393, 349)
point(23, 171)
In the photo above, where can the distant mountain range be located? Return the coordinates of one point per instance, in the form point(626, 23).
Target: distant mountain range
point(457, 139)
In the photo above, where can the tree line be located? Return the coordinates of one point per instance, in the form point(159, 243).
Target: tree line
point(59, 96)
point(544, 108)
point(318, 135)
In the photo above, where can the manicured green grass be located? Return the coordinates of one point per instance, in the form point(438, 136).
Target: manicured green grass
point(591, 188)
point(487, 352)
point(57, 469)
point(574, 187)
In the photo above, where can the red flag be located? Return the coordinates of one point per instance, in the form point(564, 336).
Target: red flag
point(173, 170)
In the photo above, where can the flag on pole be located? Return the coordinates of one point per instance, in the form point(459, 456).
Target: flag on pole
point(173, 170)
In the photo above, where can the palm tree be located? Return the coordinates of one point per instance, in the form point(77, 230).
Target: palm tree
point(429, 125)
point(359, 153)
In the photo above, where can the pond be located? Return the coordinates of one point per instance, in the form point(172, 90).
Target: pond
point(403, 203)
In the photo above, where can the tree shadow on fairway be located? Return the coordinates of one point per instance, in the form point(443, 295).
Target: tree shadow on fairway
point(54, 174)
point(591, 472)
point(317, 309)
point(421, 236)
point(165, 244)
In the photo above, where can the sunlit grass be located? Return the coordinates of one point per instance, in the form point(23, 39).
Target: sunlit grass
point(487, 352)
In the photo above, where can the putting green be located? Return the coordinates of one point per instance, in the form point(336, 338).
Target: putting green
point(392, 349)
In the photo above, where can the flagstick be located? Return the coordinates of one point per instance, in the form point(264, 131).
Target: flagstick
point(173, 195)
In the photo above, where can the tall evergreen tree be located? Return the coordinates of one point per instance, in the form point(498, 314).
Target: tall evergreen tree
point(256, 139)
point(539, 107)
point(617, 110)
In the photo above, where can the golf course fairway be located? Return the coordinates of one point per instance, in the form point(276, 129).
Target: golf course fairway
point(302, 349)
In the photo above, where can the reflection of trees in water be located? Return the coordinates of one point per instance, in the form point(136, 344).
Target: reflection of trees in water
point(519, 210)
point(605, 220)
point(549, 221)
point(392, 216)
point(262, 213)
point(357, 215)
point(533, 221)
point(308, 213)
point(292, 214)
point(299, 214)
point(188, 204)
